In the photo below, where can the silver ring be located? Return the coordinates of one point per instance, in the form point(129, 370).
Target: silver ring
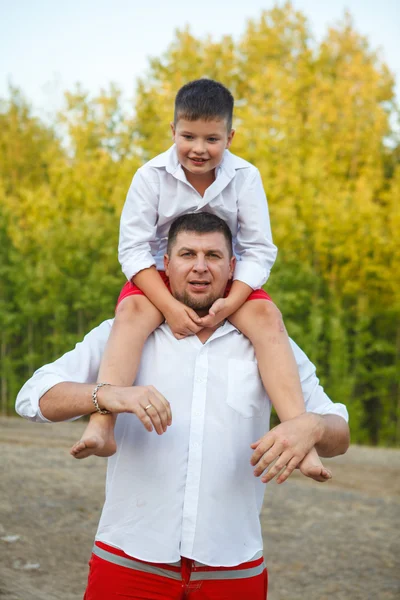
point(148, 406)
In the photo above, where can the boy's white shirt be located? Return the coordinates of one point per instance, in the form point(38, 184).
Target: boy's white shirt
point(160, 192)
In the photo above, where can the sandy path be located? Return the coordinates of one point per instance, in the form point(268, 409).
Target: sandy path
point(334, 541)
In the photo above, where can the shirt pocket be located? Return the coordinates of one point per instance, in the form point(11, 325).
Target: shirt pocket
point(246, 394)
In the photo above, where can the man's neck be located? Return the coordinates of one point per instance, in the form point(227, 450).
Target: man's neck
point(207, 332)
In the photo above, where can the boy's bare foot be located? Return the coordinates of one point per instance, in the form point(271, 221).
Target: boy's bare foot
point(311, 466)
point(94, 445)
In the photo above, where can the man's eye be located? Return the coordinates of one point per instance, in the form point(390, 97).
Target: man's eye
point(187, 254)
point(214, 255)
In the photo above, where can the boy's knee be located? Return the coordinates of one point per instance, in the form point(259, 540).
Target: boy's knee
point(131, 308)
point(267, 311)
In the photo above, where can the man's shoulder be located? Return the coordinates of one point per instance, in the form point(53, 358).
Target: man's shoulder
point(98, 334)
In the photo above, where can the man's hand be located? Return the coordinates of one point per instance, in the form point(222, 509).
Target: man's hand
point(182, 320)
point(218, 312)
point(287, 444)
point(135, 400)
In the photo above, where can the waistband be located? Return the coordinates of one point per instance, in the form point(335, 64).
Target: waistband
point(186, 568)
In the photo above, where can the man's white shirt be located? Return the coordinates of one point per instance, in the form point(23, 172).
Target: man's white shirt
point(191, 491)
point(160, 193)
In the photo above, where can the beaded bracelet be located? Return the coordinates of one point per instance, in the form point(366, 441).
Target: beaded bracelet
point(102, 411)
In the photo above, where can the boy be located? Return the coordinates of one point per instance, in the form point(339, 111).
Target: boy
point(197, 174)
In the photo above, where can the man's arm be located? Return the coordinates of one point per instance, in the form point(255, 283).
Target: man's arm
point(63, 390)
point(335, 436)
point(289, 442)
point(68, 400)
point(323, 426)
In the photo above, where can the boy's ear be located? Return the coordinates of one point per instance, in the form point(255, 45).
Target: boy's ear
point(172, 129)
point(230, 138)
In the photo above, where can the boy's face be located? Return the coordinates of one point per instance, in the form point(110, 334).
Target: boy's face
point(200, 144)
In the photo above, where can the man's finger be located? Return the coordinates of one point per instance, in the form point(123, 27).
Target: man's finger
point(144, 417)
point(164, 402)
point(269, 457)
point(160, 406)
point(255, 444)
point(261, 448)
point(290, 467)
point(152, 412)
point(275, 469)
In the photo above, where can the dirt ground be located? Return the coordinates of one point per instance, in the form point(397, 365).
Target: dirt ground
point(338, 540)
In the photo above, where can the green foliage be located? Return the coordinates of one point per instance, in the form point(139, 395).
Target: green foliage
point(315, 118)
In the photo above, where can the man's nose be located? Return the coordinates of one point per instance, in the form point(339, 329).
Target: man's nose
point(200, 264)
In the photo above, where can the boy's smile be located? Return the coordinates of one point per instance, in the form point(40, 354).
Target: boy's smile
point(200, 145)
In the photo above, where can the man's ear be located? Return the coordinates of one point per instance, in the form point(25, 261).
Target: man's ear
point(232, 264)
point(173, 130)
point(166, 264)
point(230, 138)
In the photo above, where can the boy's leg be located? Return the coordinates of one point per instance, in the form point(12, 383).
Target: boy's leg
point(262, 323)
point(136, 318)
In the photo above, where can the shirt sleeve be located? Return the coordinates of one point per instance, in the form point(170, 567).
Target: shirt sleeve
point(80, 365)
point(138, 226)
point(254, 247)
point(316, 400)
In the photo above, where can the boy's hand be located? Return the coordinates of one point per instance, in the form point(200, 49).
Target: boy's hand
point(218, 312)
point(182, 320)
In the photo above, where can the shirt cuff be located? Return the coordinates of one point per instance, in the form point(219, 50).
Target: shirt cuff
point(133, 267)
point(28, 400)
point(251, 273)
point(330, 408)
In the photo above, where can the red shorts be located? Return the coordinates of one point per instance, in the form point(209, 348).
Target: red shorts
point(130, 289)
point(114, 575)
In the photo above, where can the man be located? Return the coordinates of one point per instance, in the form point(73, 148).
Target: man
point(181, 515)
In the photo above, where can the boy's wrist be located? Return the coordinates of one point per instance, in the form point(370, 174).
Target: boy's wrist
point(233, 302)
point(167, 304)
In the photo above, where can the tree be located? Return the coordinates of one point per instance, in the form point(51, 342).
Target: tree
point(316, 119)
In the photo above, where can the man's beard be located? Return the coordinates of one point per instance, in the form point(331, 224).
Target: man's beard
point(200, 305)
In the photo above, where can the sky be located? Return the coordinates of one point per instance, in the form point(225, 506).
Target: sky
point(47, 46)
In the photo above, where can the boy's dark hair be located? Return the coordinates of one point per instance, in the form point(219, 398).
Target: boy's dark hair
point(204, 99)
point(199, 223)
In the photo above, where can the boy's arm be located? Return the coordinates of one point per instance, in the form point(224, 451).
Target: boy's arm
point(225, 307)
point(254, 249)
point(138, 226)
point(181, 319)
point(254, 246)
